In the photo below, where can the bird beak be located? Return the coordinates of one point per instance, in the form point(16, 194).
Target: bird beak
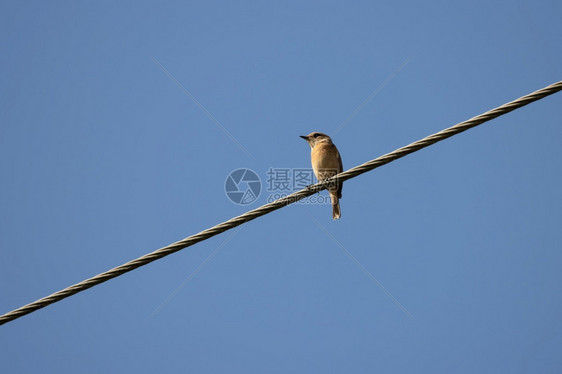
point(304, 137)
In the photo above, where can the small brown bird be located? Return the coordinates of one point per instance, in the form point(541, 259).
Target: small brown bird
point(326, 162)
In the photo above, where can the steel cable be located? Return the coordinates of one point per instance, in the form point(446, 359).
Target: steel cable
point(277, 204)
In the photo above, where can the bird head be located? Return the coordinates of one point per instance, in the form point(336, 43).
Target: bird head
point(315, 138)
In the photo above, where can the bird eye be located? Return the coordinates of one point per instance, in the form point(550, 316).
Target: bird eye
point(316, 135)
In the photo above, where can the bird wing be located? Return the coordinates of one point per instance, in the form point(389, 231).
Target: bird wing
point(340, 187)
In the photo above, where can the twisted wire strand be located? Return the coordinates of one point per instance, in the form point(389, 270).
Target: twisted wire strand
point(277, 204)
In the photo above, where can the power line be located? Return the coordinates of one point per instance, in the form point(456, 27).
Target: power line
point(277, 204)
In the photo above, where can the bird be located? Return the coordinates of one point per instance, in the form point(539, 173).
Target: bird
point(326, 162)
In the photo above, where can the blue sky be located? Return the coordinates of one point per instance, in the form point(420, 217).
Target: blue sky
point(114, 123)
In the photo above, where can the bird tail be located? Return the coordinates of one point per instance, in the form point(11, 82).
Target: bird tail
point(336, 213)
